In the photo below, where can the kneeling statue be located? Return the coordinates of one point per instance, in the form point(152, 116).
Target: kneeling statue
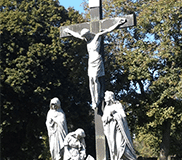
point(74, 145)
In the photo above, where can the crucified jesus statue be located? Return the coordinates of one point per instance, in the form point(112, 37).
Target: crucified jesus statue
point(96, 71)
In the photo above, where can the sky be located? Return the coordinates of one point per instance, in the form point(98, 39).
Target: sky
point(76, 4)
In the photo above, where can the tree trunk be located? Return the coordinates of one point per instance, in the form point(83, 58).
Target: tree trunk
point(165, 145)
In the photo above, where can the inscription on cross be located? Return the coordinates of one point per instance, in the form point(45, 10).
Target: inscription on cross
point(92, 32)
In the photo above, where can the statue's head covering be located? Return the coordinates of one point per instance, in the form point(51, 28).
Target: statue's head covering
point(84, 31)
point(55, 102)
point(80, 132)
point(110, 94)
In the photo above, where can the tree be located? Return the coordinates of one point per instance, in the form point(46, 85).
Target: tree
point(165, 85)
point(35, 67)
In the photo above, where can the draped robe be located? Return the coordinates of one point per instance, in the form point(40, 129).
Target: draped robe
point(57, 131)
point(117, 133)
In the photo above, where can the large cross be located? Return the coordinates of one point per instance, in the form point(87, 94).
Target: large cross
point(96, 25)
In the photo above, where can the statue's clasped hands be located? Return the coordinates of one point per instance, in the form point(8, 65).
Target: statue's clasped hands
point(112, 113)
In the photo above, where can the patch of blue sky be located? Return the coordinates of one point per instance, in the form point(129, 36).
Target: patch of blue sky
point(136, 86)
point(76, 4)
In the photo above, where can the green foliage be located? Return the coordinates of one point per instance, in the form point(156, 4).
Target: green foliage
point(36, 65)
point(147, 69)
point(147, 143)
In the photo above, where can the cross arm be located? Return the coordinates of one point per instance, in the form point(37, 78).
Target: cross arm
point(103, 24)
point(130, 21)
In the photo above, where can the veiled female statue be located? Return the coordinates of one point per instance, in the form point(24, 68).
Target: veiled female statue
point(116, 129)
point(57, 129)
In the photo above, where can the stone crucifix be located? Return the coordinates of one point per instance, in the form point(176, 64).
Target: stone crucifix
point(92, 33)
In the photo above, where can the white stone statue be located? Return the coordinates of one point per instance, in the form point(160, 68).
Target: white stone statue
point(95, 62)
point(116, 129)
point(74, 145)
point(57, 129)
